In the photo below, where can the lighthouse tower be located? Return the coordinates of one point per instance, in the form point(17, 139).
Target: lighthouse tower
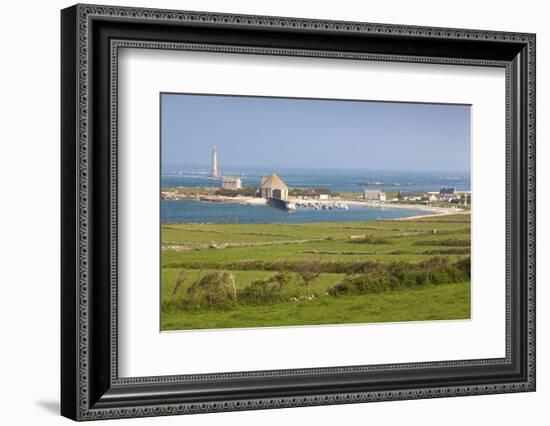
point(214, 172)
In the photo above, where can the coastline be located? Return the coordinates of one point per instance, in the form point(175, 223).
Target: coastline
point(432, 211)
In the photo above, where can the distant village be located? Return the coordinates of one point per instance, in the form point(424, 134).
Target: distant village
point(275, 192)
point(274, 187)
point(445, 194)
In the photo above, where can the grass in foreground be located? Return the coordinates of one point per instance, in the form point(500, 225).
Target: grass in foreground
point(250, 251)
point(443, 302)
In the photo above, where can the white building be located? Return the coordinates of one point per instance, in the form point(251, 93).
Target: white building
point(374, 195)
point(448, 194)
point(230, 182)
point(214, 171)
point(410, 196)
point(430, 197)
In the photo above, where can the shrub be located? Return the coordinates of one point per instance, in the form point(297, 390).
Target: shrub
point(311, 192)
point(449, 243)
point(227, 192)
point(265, 291)
point(335, 266)
point(217, 288)
point(369, 239)
point(247, 191)
point(397, 275)
point(371, 282)
point(281, 280)
point(464, 265)
point(308, 270)
point(447, 251)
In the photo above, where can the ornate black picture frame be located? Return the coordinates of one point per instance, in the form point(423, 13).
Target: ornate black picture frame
point(91, 36)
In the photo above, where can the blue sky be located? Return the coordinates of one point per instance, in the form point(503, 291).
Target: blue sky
point(286, 133)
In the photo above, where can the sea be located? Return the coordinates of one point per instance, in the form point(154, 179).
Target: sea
point(192, 211)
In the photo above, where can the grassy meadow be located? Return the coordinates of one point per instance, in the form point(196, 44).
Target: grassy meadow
point(244, 275)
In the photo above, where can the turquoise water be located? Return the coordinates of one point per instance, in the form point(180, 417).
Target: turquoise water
point(191, 211)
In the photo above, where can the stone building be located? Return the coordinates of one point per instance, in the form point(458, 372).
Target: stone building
point(273, 187)
point(374, 195)
point(231, 182)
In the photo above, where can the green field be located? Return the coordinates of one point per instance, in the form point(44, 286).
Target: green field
point(243, 275)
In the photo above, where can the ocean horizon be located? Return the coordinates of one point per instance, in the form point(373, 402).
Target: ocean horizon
point(334, 180)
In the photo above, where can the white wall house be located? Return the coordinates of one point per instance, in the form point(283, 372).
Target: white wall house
point(230, 182)
point(374, 195)
point(410, 195)
point(430, 197)
point(448, 194)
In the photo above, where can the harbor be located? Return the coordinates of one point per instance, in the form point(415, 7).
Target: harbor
point(246, 211)
point(313, 196)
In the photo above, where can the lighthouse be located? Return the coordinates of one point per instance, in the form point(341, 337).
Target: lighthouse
point(214, 172)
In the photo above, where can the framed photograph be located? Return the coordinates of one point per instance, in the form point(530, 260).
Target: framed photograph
point(263, 212)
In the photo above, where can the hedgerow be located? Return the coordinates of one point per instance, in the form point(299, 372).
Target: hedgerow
point(400, 275)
